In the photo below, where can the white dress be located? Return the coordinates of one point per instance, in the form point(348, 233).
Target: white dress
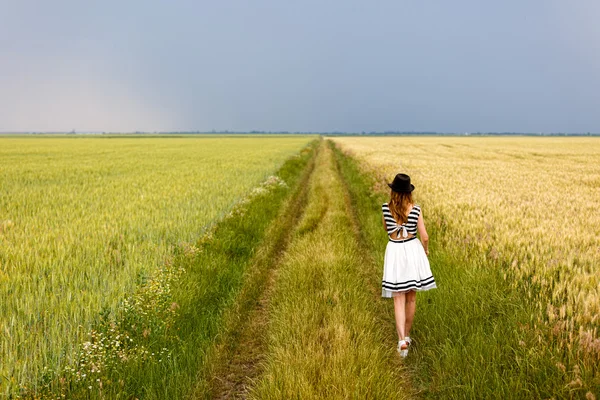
point(405, 266)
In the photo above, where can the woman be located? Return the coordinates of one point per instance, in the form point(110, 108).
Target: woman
point(406, 267)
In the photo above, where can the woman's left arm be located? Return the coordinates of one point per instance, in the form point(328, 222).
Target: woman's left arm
point(423, 233)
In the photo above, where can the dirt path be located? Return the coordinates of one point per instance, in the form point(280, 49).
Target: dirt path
point(269, 351)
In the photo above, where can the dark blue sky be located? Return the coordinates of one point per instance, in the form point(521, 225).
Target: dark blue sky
point(447, 66)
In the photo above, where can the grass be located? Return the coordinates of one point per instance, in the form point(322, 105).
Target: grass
point(477, 335)
point(280, 297)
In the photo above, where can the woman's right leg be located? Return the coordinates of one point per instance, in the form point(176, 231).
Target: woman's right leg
point(400, 313)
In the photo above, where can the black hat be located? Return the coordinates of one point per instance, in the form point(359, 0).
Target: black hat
point(402, 184)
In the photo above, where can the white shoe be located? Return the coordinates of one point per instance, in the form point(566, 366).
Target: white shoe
point(403, 348)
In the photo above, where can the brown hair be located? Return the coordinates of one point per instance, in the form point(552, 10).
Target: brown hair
point(399, 204)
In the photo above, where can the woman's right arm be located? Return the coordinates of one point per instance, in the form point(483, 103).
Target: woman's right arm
point(423, 233)
point(383, 221)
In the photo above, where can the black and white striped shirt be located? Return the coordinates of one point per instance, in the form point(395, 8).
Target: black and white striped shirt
point(409, 227)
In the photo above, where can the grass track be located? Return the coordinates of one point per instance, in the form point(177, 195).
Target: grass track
point(324, 339)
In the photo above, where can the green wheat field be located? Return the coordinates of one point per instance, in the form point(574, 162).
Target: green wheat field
point(166, 267)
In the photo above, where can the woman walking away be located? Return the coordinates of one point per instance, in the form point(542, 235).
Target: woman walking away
point(406, 267)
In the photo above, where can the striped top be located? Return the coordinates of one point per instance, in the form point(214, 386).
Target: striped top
point(409, 227)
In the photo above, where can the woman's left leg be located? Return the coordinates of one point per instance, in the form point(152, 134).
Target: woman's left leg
point(411, 305)
point(399, 314)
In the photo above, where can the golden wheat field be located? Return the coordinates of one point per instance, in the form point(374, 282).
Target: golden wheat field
point(529, 203)
point(85, 220)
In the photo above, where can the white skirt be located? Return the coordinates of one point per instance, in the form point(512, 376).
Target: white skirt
point(406, 268)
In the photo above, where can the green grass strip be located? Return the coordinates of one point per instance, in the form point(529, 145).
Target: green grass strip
point(324, 341)
point(474, 335)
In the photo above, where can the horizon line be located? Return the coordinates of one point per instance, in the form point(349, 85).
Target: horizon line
point(284, 132)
